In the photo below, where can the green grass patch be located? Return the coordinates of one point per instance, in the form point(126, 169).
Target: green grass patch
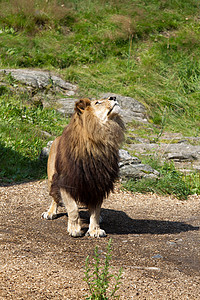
point(171, 181)
point(193, 182)
point(22, 135)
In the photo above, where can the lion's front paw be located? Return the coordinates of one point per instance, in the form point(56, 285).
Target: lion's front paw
point(74, 230)
point(48, 216)
point(96, 233)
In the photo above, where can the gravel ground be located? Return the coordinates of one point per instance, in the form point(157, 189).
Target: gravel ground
point(155, 239)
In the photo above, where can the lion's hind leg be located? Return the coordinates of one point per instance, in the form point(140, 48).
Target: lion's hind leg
point(54, 190)
point(57, 201)
point(94, 228)
point(52, 212)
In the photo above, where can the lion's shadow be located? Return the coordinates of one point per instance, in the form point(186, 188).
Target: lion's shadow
point(118, 222)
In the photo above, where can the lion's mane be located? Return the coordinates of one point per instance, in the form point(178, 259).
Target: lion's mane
point(87, 158)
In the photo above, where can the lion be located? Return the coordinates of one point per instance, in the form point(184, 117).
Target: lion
point(83, 163)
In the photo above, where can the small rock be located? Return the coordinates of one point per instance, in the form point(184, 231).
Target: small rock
point(45, 133)
point(127, 159)
point(157, 256)
point(45, 151)
point(171, 243)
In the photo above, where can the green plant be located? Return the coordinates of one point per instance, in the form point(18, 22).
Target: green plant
point(193, 182)
point(162, 126)
point(98, 277)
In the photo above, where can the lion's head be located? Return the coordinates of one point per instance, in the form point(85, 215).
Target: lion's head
point(87, 156)
point(98, 121)
point(103, 109)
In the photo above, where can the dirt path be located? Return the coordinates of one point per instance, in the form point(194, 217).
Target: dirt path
point(155, 239)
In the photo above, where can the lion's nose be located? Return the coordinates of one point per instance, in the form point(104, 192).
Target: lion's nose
point(112, 98)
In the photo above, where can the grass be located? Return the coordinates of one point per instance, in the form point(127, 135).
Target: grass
point(144, 49)
point(171, 181)
point(22, 134)
point(148, 50)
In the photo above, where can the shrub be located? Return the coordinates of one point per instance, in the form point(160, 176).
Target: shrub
point(98, 277)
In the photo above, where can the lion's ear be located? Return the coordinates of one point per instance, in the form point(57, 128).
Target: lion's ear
point(81, 105)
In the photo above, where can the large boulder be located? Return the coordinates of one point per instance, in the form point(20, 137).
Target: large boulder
point(41, 79)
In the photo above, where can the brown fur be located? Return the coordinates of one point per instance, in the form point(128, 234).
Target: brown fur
point(86, 164)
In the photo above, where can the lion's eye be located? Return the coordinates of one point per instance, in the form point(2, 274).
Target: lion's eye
point(97, 102)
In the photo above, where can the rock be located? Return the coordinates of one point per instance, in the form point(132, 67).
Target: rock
point(182, 156)
point(127, 159)
point(131, 167)
point(171, 243)
point(131, 108)
point(157, 256)
point(45, 151)
point(40, 79)
point(137, 171)
point(66, 106)
point(44, 80)
point(176, 152)
point(186, 157)
point(45, 133)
